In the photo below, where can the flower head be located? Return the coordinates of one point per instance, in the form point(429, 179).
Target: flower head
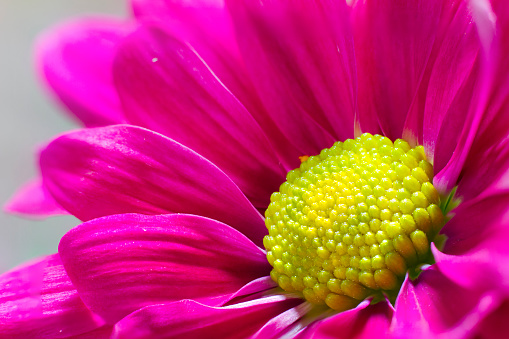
point(371, 136)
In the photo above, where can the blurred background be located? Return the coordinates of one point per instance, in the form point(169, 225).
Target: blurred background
point(28, 118)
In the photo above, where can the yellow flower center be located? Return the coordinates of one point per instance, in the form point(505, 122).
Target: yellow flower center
point(350, 222)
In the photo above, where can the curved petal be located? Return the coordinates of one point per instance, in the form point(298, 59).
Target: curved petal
point(164, 85)
point(393, 43)
point(126, 169)
point(189, 319)
point(487, 170)
point(452, 71)
point(490, 144)
point(494, 124)
point(100, 333)
point(75, 60)
point(363, 322)
point(299, 55)
point(39, 301)
point(252, 288)
point(476, 252)
point(480, 111)
point(433, 306)
point(207, 27)
point(287, 324)
point(124, 262)
point(33, 200)
point(495, 323)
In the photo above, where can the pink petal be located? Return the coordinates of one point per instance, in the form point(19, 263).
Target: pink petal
point(480, 112)
point(189, 319)
point(164, 85)
point(207, 27)
point(393, 43)
point(487, 159)
point(75, 60)
point(100, 333)
point(495, 124)
point(432, 305)
point(365, 321)
point(480, 268)
point(252, 288)
point(33, 200)
point(124, 262)
point(487, 169)
point(476, 252)
point(39, 301)
point(286, 324)
point(453, 68)
point(495, 324)
point(299, 55)
point(123, 169)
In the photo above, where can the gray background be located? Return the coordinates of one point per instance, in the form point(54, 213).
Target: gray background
point(28, 117)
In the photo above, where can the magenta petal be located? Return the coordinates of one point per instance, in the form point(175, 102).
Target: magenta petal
point(393, 42)
point(125, 169)
point(363, 322)
point(476, 252)
point(33, 200)
point(476, 221)
point(164, 85)
point(480, 268)
point(488, 168)
point(100, 333)
point(124, 262)
point(189, 319)
point(207, 27)
point(300, 57)
point(39, 301)
point(495, 324)
point(75, 60)
point(449, 92)
point(433, 305)
point(487, 158)
point(253, 288)
point(474, 139)
point(286, 324)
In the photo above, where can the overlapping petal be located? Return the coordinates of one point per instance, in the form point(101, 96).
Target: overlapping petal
point(125, 262)
point(365, 321)
point(75, 60)
point(449, 84)
point(123, 169)
point(162, 82)
point(291, 90)
point(300, 59)
point(495, 323)
point(487, 158)
point(288, 323)
point(207, 27)
point(39, 301)
point(476, 252)
point(433, 306)
point(189, 319)
point(393, 43)
point(34, 200)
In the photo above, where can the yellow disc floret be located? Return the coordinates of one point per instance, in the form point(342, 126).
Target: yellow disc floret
point(350, 222)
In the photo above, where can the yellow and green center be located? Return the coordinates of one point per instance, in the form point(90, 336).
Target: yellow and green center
point(351, 221)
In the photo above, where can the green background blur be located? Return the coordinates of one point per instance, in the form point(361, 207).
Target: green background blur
point(28, 117)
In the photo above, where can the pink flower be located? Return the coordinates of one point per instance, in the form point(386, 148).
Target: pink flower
point(228, 99)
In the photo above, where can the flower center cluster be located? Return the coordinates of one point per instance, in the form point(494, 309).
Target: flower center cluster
point(350, 222)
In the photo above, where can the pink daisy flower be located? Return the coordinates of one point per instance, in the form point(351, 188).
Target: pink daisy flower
point(197, 112)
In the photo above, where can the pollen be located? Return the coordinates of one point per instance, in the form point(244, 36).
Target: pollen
point(351, 221)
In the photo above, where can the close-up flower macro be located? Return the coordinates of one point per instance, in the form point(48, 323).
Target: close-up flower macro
point(273, 169)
